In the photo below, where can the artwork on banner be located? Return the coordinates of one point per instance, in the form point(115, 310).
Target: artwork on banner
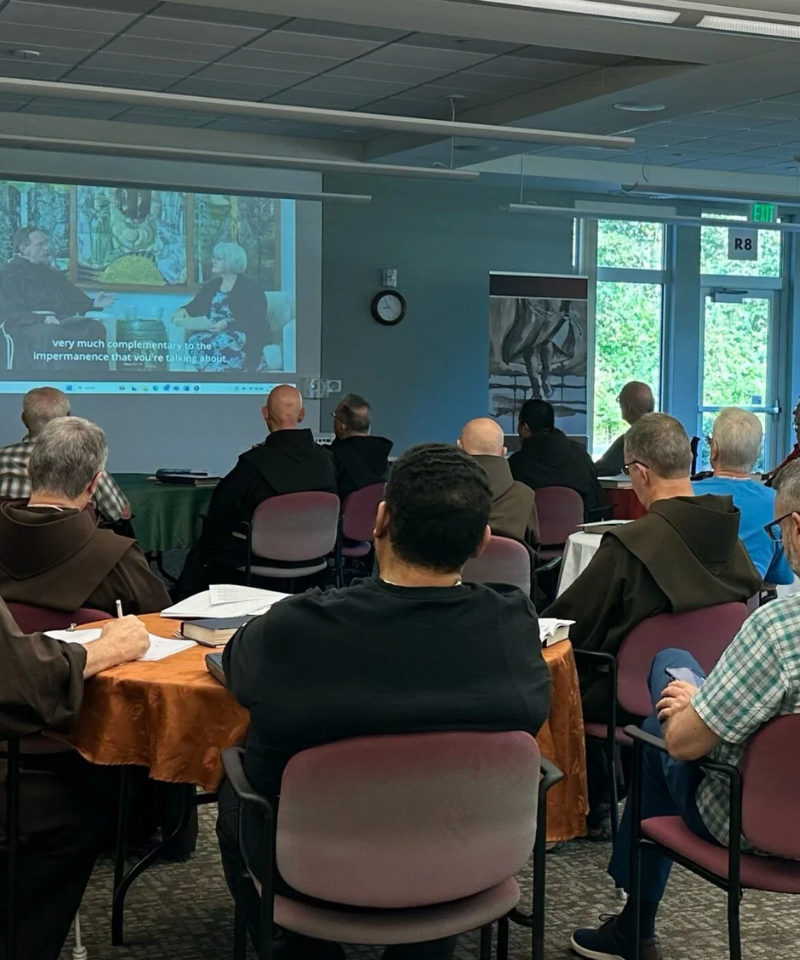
point(538, 347)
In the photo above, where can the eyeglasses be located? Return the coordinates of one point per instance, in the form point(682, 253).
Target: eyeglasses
point(626, 467)
point(773, 528)
point(336, 417)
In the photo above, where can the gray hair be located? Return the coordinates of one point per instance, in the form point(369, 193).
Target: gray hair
point(738, 435)
point(660, 442)
point(787, 486)
point(233, 256)
point(355, 413)
point(66, 456)
point(41, 405)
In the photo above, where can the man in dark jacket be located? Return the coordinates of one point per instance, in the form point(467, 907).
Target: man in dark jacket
point(413, 651)
point(288, 461)
point(549, 458)
point(513, 503)
point(359, 459)
point(635, 401)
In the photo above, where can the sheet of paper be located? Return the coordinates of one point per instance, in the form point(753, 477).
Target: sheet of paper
point(550, 627)
point(201, 604)
point(235, 593)
point(159, 649)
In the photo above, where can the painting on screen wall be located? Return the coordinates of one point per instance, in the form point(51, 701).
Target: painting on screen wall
point(538, 347)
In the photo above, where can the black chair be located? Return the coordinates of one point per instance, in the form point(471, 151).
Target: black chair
point(11, 845)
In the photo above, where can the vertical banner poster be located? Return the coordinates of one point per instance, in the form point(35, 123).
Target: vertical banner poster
point(538, 347)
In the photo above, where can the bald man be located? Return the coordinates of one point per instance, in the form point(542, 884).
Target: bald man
point(288, 461)
point(513, 503)
point(635, 400)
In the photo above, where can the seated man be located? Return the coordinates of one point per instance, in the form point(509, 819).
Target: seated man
point(414, 650)
point(288, 461)
point(65, 813)
point(513, 503)
point(549, 458)
point(40, 305)
point(684, 555)
point(52, 554)
point(795, 451)
point(735, 446)
point(39, 407)
point(635, 400)
point(358, 458)
point(756, 679)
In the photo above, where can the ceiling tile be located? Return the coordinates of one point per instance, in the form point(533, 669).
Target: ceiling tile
point(246, 125)
point(372, 89)
point(791, 128)
point(223, 14)
point(763, 136)
point(465, 44)
point(406, 107)
point(24, 35)
point(72, 108)
point(793, 99)
point(569, 56)
point(467, 80)
point(141, 65)
point(139, 46)
point(10, 102)
point(362, 69)
point(33, 69)
point(729, 163)
point(272, 60)
point(186, 31)
point(325, 28)
point(179, 118)
point(342, 48)
point(58, 55)
point(250, 75)
point(531, 69)
point(448, 61)
point(767, 110)
point(200, 87)
point(712, 122)
point(775, 153)
point(318, 98)
point(75, 17)
point(121, 78)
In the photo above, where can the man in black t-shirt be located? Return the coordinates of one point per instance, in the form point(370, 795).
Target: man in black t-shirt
point(415, 650)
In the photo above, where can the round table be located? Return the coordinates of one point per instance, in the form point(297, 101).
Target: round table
point(166, 516)
point(580, 549)
point(172, 717)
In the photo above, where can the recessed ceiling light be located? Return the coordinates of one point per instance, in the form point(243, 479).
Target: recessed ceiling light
point(476, 148)
point(348, 130)
point(26, 53)
point(766, 28)
point(636, 106)
point(595, 8)
point(463, 41)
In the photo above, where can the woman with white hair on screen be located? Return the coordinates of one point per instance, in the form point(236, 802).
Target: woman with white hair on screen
point(227, 321)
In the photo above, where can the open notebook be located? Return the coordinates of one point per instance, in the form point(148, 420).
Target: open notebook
point(224, 600)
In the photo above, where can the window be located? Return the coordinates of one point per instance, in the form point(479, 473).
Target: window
point(628, 318)
point(714, 252)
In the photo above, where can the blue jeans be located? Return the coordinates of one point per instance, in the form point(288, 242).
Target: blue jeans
point(668, 789)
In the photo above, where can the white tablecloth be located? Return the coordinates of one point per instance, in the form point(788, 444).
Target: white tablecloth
point(580, 549)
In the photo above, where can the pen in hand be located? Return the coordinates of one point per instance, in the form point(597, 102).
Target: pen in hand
point(119, 610)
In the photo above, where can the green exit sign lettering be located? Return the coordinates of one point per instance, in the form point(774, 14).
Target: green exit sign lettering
point(765, 213)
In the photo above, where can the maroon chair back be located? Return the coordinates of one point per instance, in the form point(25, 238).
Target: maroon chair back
point(453, 813)
point(560, 512)
point(296, 526)
point(359, 511)
point(31, 619)
point(503, 561)
point(771, 788)
point(704, 633)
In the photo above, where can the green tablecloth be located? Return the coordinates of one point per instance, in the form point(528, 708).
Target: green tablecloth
point(165, 516)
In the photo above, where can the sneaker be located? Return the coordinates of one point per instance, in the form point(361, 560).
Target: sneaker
point(607, 942)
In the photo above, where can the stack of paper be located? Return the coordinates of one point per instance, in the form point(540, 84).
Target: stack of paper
point(553, 631)
point(160, 647)
point(225, 600)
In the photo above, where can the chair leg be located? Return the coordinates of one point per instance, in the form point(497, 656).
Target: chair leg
point(502, 938)
point(734, 932)
point(486, 942)
point(79, 952)
point(239, 917)
point(611, 761)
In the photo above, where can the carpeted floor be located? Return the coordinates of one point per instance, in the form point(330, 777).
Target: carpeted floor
point(183, 912)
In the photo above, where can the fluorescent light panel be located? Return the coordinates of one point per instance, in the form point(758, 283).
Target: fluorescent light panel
point(580, 214)
point(708, 193)
point(765, 28)
point(594, 8)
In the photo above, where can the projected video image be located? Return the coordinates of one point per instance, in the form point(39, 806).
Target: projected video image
point(103, 283)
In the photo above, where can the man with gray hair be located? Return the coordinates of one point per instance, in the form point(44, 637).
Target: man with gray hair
point(684, 554)
point(39, 407)
point(52, 554)
point(756, 679)
point(735, 440)
point(359, 459)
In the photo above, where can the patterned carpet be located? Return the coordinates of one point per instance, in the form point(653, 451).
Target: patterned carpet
point(183, 912)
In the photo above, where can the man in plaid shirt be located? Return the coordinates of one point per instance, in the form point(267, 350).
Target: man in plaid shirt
point(756, 679)
point(39, 407)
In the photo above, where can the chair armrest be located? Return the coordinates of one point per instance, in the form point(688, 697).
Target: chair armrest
point(234, 771)
point(550, 775)
point(550, 565)
point(636, 733)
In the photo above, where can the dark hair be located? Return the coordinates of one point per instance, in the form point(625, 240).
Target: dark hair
point(537, 415)
point(355, 413)
point(439, 500)
point(22, 237)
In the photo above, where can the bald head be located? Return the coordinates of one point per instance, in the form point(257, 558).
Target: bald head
point(41, 405)
point(635, 401)
point(284, 409)
point(482, 438)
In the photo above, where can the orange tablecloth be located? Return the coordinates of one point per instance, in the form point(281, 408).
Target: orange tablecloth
point(172, 717)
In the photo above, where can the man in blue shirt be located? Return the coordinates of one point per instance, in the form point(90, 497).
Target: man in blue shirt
point(735, 446)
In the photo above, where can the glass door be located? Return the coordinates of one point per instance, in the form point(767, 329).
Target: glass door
point(737, 368)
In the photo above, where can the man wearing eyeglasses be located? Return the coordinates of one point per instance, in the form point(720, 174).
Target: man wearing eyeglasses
point(757, 678)
point(685, 554)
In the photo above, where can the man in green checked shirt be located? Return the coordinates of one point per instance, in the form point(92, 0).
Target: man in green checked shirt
point(756, 679)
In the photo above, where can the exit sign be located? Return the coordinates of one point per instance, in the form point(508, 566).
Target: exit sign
point(765, 213)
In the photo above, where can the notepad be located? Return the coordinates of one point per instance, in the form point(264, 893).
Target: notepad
point(553, 631)
point(160, 648)
point(225, 600)
point(602, 526)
